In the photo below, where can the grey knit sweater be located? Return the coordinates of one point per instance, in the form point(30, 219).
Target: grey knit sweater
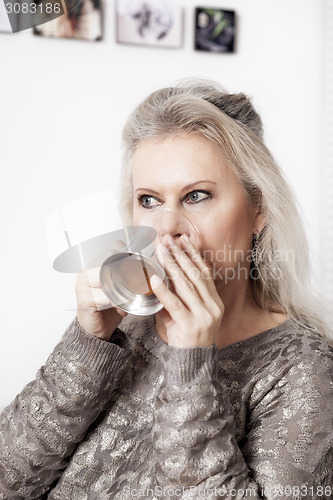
point(136, 418)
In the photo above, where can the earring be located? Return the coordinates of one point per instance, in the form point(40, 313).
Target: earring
point(255, 250)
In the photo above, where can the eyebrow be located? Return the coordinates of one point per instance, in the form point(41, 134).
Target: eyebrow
point(185, 188)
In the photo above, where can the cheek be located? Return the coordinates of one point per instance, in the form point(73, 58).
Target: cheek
point(136, 219)
point(210, 237)
point(136, 214)
point(230, 238)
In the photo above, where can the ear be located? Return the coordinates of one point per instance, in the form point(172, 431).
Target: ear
point(259, 221)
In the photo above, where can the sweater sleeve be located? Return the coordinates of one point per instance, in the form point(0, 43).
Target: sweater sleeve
point(194, 440)
point(40, 429)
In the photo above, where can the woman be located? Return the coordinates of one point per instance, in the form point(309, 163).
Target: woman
point(226, 392)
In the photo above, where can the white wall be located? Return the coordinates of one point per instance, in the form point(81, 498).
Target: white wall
point(62, 107)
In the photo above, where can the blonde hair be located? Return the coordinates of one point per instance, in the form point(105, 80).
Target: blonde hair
point(230, 121)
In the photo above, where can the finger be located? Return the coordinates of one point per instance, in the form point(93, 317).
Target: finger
point(121, 312)
point(198, 275)
point(204, 283)
point(195, 256)
point(199, 261)
point(169, 300)
point(192, 272)
point(182, 286)
point(88, 287)
point(89, 277)
point(93, 298)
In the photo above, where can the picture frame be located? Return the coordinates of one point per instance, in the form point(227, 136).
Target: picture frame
point(24, 15)
point(215, 30)
point(154, 23)
point(84, 21)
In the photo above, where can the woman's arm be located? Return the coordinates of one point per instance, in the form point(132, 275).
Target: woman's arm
point(289, 446)
point(45, 422)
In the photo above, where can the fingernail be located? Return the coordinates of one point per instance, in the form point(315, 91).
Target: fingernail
point(155, 281)
point(185, 238)
point(169, 239)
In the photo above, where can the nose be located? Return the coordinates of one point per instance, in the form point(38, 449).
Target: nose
point(169, 221)
point(172, 223)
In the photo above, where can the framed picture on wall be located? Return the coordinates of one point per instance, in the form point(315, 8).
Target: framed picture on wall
point(156, 23)
point(215, 30)
point(82, 22)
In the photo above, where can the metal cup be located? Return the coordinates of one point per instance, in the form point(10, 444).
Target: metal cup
point(124, 276)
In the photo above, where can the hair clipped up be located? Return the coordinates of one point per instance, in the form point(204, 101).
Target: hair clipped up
point(237, 106)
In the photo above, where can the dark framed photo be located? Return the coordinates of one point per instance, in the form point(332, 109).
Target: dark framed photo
point(82, 22)
point(157, 23)
point(215, 30)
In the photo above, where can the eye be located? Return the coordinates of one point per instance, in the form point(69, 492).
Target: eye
point(148, 201)
point(197, 196)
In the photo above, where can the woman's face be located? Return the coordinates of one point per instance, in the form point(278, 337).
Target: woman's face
point(188, 173)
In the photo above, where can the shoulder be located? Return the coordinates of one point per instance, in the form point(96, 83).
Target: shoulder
point(283, 356)
point(291, 401)
point(301, 344)
point(305, 389)
point(285, 345)
point(301, 355)
point(301, 366)
point(293, 373)
point(292, 342)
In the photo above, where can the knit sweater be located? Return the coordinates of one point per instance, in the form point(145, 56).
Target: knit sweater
point(136, 418)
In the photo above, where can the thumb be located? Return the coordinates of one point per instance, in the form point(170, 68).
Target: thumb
point(121, 312)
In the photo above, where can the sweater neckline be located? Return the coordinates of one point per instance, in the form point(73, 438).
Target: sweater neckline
point(257, 338)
